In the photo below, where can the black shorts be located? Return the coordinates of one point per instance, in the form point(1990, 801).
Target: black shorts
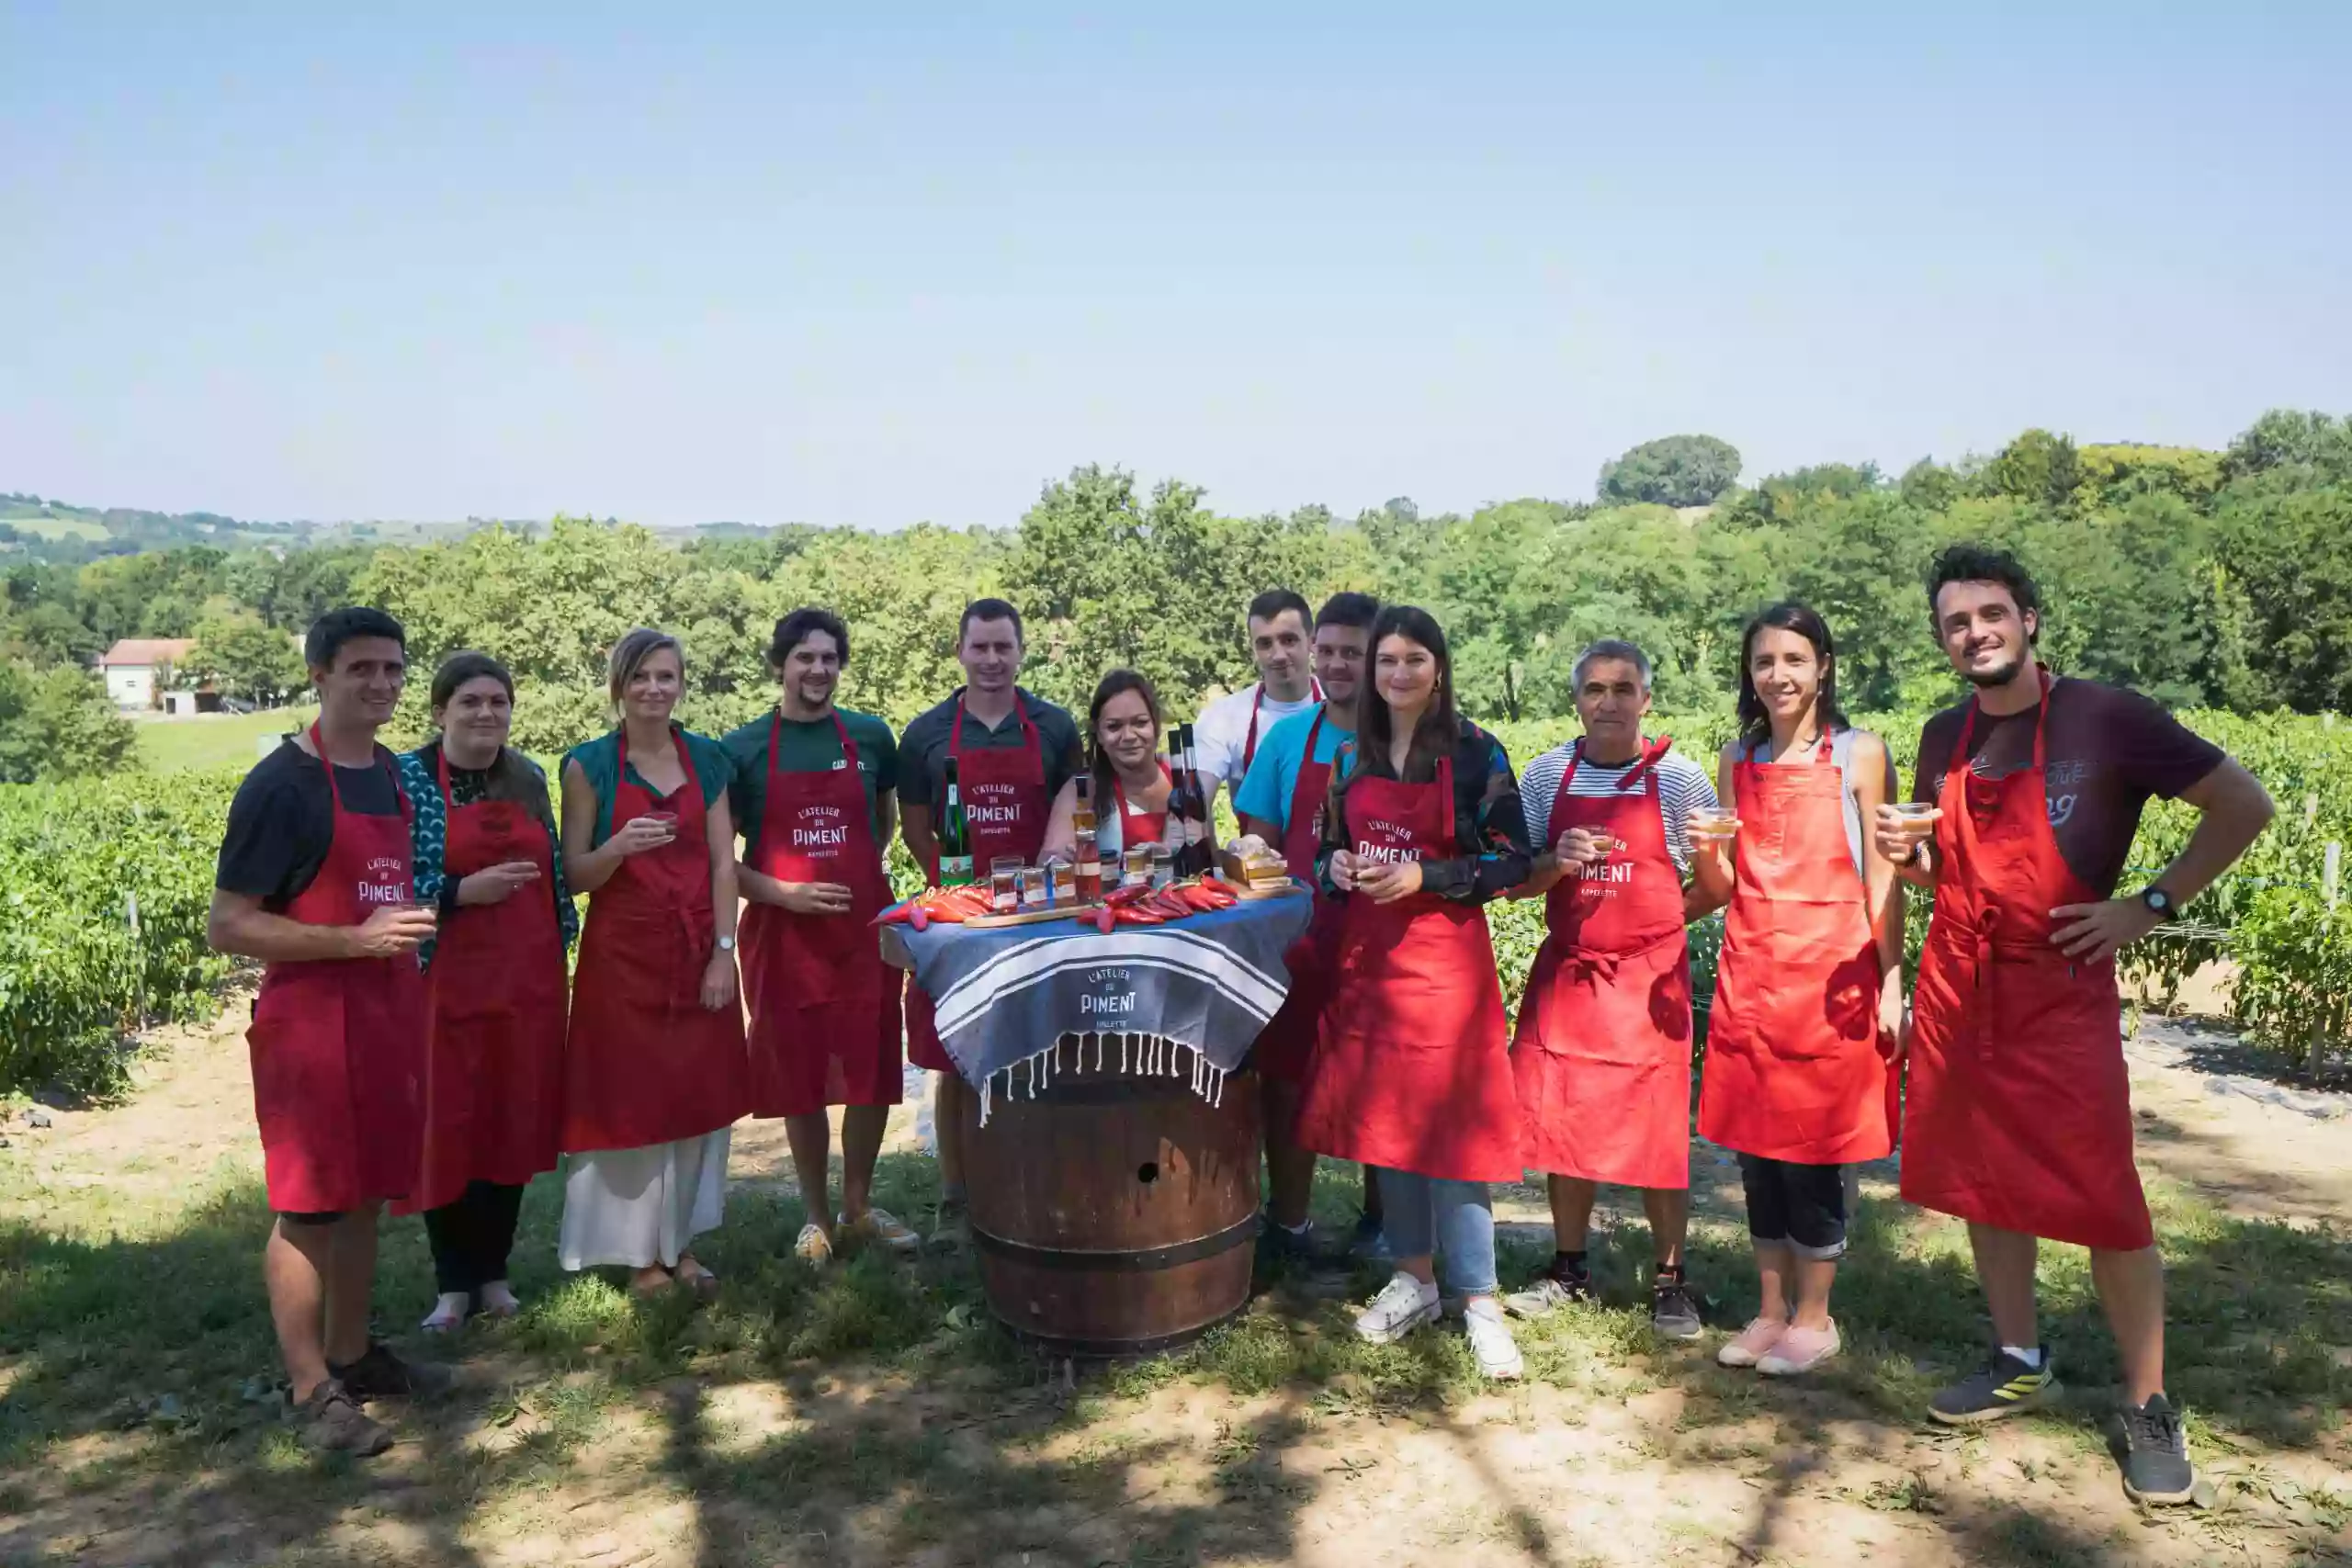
point(1802, 1207)
point(326, 1219)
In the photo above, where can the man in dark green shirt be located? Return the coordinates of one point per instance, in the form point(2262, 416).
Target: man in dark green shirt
point(991, 721)
point(814, 792)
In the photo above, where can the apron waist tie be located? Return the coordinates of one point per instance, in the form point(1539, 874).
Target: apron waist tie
point(1599, 964)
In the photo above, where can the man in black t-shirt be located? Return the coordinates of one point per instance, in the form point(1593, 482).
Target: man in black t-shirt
point(2018, 1115)
point(314, 879)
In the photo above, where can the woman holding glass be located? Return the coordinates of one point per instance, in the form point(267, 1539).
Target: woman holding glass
point(1411, 1070)
point(657, 1071)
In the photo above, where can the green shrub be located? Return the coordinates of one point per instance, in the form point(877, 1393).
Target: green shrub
point(73, 980)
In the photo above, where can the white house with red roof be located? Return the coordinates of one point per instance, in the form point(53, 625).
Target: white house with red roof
point(135, 668)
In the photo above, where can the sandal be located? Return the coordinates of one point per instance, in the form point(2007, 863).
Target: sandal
point(697, 1278)
point(498, 1299)
point(651, 1282)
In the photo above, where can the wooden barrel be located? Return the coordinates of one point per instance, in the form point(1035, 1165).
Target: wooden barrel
point(1113, 1215)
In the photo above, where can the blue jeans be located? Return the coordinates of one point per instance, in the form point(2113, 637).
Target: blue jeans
point(1426, 1215)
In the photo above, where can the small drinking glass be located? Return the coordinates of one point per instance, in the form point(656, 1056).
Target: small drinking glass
point(1037, 892)
point(1062, 878)
point(1004, 884)
point(1714, 822)
point(1135, 861)
point(1163, 866)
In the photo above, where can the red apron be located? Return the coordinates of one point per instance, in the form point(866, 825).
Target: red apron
point(1250, 741)
point(1138, 827)
point(493, 1083)
point(1004, 799)
point(1603, 1051)
point(339, 1045)
point(1410, 1069)
point(1793, 1070)
point(1287, 1042)
point(2019, 1109)
point(648, 1064)
point(825, 1026)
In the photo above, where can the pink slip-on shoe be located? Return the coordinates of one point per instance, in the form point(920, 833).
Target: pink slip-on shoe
point(1753, 1343)
point(1800, 1350)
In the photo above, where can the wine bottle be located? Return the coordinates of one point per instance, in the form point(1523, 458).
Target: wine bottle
point(955, 837)
point(1192, 855)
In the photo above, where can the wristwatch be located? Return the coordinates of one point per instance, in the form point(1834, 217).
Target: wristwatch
point(2157, 899)
point(727, 944)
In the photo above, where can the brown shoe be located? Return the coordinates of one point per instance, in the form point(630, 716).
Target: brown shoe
point(380, 1374)
point(331, 1421)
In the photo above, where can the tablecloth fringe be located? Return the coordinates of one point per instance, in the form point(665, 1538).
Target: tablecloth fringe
point(1153, 1056)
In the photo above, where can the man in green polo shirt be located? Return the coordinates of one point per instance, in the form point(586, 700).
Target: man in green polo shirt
point(814, 791)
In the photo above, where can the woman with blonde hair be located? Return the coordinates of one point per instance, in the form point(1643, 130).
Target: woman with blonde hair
point(657, 1071)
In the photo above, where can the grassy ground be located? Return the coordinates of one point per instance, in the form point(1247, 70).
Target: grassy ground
point(873, 1414)
point(212, 740)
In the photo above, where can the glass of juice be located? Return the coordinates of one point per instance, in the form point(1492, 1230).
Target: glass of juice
point(1037, 891)
point(1135, 862)
point(1714, 822)
point(1163, 866)
point(1062, 881)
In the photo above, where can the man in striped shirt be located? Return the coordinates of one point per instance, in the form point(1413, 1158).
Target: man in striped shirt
point(1603, 1051)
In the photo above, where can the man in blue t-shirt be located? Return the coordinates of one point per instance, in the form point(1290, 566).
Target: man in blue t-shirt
point(1275, 802)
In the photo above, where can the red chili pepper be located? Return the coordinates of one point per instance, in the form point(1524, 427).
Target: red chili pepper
point(919, 918)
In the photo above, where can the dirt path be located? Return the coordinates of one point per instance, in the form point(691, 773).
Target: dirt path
point(1632, 1457)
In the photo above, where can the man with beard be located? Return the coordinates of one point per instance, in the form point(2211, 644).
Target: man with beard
point(815, 794)
point(1012, 752)
point(1282, 799)
point(2018, 1119)
point(315, 880)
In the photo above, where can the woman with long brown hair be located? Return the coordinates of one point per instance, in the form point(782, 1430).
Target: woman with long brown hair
point(1410, 1071)
point(1809, 993)
point(487, 855)
point(1129, 782)
point(657, 1071)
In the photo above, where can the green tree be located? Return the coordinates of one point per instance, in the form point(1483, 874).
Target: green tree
point(57, 723)
point(2038, 467)
point(2304, 439)
point(2290, 556)
point(243, 658)
point(1677, 471)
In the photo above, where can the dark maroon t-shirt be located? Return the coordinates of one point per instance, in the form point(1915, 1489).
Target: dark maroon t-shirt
point(2109, 752)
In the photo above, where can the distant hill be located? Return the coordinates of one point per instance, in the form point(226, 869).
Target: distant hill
point(49, 529)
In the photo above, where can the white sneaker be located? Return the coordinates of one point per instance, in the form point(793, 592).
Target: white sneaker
point(1491, 1339)
point(1404, 1304)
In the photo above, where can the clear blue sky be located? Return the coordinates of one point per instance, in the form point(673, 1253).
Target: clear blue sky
point(691, 263)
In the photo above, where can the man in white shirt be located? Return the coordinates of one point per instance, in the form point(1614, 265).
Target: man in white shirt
point(1225, 736)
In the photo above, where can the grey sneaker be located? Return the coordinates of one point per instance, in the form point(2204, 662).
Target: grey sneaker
point(2155, 1454)
point(1548, 1294)
point(1402, 1305)
point(1490, 1340)
point(1674, 1311)
point(331, 1421)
